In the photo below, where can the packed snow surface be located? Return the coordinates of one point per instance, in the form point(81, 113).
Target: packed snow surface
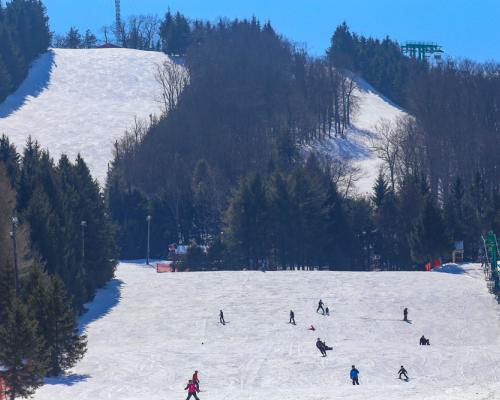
point(148, 332)
point(81, 101)
point(357, 146)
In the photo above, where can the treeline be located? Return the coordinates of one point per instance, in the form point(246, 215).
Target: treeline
point(56, 249)
point(300, 219)
point(451, 141)
point(24, 35)
point(250, 99)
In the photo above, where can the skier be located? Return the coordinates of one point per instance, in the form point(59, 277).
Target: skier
point(192, 391)
point(354, 375)
point(327, 311)
point(196, 380)
point(321, 347)
point(221, 318)
point(320, 307)
point(405, 314)
point(292, 317)
point(403, 371)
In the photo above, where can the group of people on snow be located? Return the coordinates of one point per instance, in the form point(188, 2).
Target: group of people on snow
point(193, 387)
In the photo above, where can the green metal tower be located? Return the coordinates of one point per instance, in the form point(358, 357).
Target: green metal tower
point(491, 247)
point(422, 50)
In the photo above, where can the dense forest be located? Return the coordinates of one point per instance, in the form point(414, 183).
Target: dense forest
point(212, 166)
point(56, 249)
point(24, 35)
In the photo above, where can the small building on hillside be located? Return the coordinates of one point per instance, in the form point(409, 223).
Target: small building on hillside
point(108, 46)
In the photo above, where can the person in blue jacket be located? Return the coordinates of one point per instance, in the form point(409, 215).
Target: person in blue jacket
point(354, 375)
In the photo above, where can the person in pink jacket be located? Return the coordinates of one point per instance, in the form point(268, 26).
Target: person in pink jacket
point(192, 390)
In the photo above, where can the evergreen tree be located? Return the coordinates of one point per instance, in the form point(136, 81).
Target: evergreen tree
point(247, 220)
point(429, 239)
point(7, 288)
point(49, 304)
point(21, 352)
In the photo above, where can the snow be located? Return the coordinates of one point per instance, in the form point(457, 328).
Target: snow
point(372, 108)
point(148, 332)
point(81, 101)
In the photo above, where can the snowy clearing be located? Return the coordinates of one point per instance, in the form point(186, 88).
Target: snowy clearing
point(148, 332)
point(81, 101)
point(373, 107)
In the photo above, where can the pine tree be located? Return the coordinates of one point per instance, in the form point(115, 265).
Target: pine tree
point(21, 352)
point(57, 324)
point(380, 190)
point(429, 240)
point(7, 288)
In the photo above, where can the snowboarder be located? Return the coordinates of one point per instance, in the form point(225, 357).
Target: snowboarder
point(196, 380)
point(354, 375)
point(292, 317)
point(402, 371)
point(405, 315)
point(320, 307)
point(327, 311)
point(321, 347)
point(221, 318)
point(192, 391)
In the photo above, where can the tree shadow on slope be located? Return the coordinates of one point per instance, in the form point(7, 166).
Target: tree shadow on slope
point(35, 83)
point(105, 300)
point(67, 380)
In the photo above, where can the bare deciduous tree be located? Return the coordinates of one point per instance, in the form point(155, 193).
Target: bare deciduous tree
point(172, 78)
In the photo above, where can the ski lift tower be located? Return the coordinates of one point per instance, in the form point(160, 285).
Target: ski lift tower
point(422, 50)
point(492, 253)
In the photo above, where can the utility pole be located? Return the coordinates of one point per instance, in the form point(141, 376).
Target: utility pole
point(83, 224)
point(148, 219)
point(15, 223)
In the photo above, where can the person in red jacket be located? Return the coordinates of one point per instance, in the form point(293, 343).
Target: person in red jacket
point(196, 381)
point(191, 388)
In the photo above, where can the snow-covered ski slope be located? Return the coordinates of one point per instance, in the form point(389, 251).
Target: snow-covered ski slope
point(357, 146)
point(81, 101)
point(148, 332)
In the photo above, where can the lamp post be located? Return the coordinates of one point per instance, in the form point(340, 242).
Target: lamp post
point(15, 224)
point(148, 219)
point(83, 224)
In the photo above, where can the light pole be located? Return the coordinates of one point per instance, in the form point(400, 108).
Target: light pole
point(15, 223)
point(83, 224)
point(148, 219)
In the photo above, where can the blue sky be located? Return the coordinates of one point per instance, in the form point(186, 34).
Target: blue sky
point(465, 28)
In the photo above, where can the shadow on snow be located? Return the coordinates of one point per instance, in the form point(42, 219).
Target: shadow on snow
point(67, 380)
point(35, 83)
point(103, 303)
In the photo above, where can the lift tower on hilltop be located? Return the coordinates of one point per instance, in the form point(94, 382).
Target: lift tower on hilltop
point(422, 50)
